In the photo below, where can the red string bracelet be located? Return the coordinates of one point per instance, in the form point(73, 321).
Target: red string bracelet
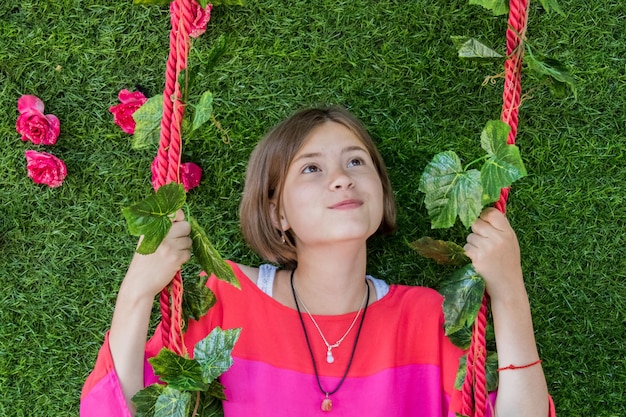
point(513, 367)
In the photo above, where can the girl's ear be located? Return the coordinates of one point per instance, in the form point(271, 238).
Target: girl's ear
point(278, 221)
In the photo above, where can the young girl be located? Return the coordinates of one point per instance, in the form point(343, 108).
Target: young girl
point(320, 337)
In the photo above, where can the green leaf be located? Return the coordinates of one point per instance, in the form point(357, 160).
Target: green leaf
point(216, 390)
point(180, 373)
point(214, 352)
point(210, 406)
point(491, 366)
point(173, 403)
point(548, 67)
point(550, 5)
point(461, 338)
point(442, 252)
point(148, 123)
point(203, 111)
point(197, 297)
point(504, 165)
point(145, 400)
point(463, 294)
point(451, 191)
point(208, 257)
point(497, 7)
point(470, 48)
point(151, 217)
point(153, 2)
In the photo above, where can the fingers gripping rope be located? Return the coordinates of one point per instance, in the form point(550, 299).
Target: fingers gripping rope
point(169, 153)
point(474, 391)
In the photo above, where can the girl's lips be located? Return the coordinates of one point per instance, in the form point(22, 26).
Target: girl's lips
point(347, 204)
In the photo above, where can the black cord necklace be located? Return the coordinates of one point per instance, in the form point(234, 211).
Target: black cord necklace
point(327, 404)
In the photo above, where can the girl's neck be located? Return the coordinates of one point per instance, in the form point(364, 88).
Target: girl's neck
point(331, 280)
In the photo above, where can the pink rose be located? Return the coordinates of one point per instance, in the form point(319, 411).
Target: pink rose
point(44, 168)
point(190, 174)
point(123, 112)
point(201, 18)
point(33, 125)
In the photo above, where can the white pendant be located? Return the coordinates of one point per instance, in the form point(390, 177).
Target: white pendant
point(329, 357)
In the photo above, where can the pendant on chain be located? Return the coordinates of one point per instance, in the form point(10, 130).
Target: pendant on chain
point(327, 404)
point(329, 355)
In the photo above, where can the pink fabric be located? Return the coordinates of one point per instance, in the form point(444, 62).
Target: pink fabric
point(411, 374)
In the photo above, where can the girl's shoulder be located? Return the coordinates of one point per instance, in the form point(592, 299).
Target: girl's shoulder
point(249, 271)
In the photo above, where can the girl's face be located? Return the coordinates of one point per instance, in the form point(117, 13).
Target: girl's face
point(332, 191)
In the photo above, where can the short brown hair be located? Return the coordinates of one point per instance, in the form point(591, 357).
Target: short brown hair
point(267, 169)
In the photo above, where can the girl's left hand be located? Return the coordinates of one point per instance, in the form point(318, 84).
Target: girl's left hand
point(493, 248)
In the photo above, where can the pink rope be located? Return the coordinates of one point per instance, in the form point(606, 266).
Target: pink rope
point(474, 390)
point(169, 154)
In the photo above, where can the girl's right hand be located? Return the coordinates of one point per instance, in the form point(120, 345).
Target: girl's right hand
point(147, 275)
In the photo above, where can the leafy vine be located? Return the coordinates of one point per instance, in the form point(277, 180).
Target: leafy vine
point(452, 191)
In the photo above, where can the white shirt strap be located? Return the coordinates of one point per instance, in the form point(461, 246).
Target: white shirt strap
point(267, 273)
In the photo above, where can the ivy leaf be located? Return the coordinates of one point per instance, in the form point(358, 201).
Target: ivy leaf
point(153, 2)
point(203, 111)
point(197, 297)
point(442, 252)
point(451, 191)
point(210, 406)
point(472, 49)
point(491, 366)
point(208, 257)
point(214, 352)
point(463, 294)
point(151, 217)
point(552, 69)
point(461, 338)
point(504, 165)
point(148, 123)
point(550, 5)
point(497, 7)
point(180, 373)
point(216, 390)
point(172, 403)
point(145, 400)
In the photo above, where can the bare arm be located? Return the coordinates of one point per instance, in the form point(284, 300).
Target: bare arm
point(147, 275)
point(495, 254)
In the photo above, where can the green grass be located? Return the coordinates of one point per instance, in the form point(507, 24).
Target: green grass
point(63, 252)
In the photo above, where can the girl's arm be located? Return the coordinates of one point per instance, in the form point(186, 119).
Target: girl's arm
point(495, 254)
point(147, 275)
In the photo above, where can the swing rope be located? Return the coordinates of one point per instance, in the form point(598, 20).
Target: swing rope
point(169, 154)
point(474, 390)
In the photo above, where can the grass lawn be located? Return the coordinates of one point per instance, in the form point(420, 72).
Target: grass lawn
point(64, 251)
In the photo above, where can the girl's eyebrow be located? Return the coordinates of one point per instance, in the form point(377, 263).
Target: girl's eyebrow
point(318, 154)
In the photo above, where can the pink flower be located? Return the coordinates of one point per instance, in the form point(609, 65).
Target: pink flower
point(123, 112)
point(201, 18)
point(44, 168)
point(190, 174)
point(33, 125)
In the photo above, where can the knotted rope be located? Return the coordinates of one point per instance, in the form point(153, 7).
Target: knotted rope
point(474, 391)
point(169, 153)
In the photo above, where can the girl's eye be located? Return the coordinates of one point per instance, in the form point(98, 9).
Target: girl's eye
point(310, 168)
point(356, 162)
